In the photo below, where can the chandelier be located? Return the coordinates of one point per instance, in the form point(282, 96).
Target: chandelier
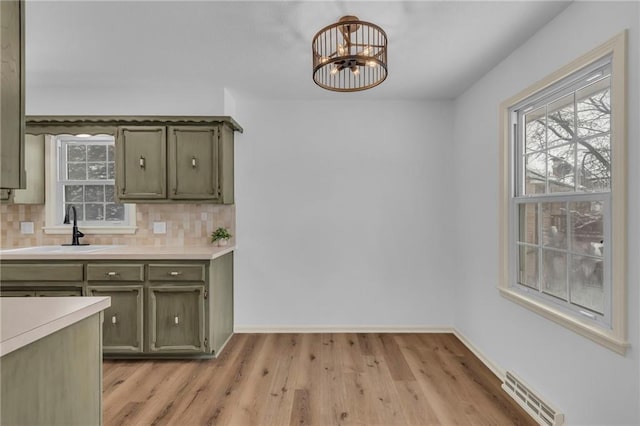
point(349, 55)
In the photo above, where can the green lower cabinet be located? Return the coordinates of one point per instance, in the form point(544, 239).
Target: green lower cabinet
point(177, 318)
point(122, 327)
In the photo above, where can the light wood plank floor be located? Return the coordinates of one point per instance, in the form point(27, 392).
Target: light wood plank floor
point(314, 379)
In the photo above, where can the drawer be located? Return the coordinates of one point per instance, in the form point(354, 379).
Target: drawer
point(176, 272)
point(115, 272)
point(41, 272)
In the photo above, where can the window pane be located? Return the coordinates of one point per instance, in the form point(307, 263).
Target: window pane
point(528, 223)
point(594, 108)
point(528, 266)
point(535, 130)
point(587, 283)
point(111, 152)
point(76, 171)
point(114, 211)
point(561, 165)
point(560, 121)
point(535, 171)
point(108, 193)
point(587, 226)
point(111, 170)
point(73, 193)
point(554, 225)
point(76, 153)
point(94, 211)
point(94, 193)
point(78, 211)
point(97, 171)
point(96, 152)
point(554, 273)
point(594, 163)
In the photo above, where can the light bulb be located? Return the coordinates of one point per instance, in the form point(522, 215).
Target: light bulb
point(355, 70)
point(323, 59)
point(366, 51)
point(372, 64)
point(341, 50)
point(334, 70)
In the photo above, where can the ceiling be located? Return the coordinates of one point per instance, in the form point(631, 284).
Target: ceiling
point(263, 49)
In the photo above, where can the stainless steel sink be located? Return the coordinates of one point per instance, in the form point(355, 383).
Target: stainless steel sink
point(59, 249)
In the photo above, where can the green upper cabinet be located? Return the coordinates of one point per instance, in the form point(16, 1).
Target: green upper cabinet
point(194, 163)
point(141, 163)
point(175, 163)
point(12, 119)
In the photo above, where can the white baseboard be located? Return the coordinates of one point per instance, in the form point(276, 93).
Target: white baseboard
point(340, 329)
point(500, 373)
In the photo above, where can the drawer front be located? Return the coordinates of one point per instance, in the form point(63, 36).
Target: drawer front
point(17, 293)
point(176, 272)
point(41, 272)
point(115, 272)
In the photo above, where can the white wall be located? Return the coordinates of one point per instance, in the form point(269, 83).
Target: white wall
point(591, 384)
point(343, 213)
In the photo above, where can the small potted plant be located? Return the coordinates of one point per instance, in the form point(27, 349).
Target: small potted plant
point(221, 236)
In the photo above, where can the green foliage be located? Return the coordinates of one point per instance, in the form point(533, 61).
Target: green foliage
point(220, 234)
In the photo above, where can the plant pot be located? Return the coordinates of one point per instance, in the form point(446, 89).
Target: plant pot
point(222, 242)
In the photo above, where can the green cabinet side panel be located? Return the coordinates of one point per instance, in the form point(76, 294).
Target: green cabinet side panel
point(141, 162)
point(12, 119)
point(221, 301)
point(56, 380)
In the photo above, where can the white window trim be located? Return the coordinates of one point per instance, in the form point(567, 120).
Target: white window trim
point(51, 226)
point(614, 338)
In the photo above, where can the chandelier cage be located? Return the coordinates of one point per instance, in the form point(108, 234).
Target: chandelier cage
point(349, 55)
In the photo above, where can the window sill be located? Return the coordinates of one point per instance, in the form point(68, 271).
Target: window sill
point(91, 230)
point(608, 339)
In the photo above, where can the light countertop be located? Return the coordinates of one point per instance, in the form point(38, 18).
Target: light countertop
point(124, 252)
point(27, 319)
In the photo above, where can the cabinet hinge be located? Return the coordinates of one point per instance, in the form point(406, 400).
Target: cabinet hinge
point(206, 294)
point(206, 342)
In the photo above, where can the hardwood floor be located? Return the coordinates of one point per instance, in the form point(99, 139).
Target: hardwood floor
point(313, 379)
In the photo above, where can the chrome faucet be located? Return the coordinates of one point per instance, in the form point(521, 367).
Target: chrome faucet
point(75, 233)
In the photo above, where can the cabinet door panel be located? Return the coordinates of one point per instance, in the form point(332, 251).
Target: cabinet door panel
point(193, 162)
point(141, 164)
point(122, 327)
point(176, 320)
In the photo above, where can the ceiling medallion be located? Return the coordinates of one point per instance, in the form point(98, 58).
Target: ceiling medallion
point(349, 56)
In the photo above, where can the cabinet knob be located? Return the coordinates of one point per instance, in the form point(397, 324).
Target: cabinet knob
point(111, 274)
point(114, 320)
point(141, 162)
point(194, 162)
point(175, 273)
point(176, 320)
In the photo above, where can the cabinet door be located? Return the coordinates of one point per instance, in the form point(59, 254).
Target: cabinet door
point(12, 121)
point(176, 322)
point(122, 327)
point(193, 163)
point(141, 162)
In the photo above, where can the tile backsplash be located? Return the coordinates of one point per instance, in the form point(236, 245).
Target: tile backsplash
point(186, 225)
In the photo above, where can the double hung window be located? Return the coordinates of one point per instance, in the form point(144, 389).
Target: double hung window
point(563, 205)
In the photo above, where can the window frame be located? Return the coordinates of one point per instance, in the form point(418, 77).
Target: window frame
point(612, 332)
point(53, 191)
